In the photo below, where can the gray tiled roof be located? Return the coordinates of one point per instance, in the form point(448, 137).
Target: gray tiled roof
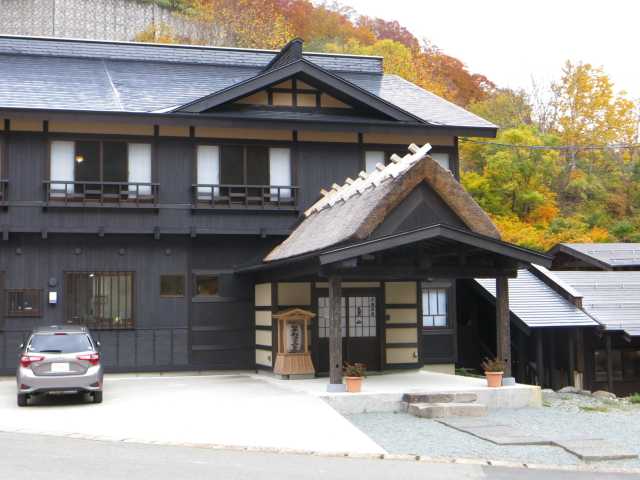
point(612, 298)
point(238, 57)
point(611, 254)
point(108, 76)
point(538, 305)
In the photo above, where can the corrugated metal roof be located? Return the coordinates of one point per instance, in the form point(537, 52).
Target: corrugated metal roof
point(611, 254)
point(612, 298)
point(538, 305)
point(85, 75)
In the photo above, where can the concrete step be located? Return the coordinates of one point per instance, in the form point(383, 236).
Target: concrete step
point(447, 397)
point(448, 409)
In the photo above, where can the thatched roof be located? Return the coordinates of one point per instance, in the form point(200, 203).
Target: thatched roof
point(353, 211)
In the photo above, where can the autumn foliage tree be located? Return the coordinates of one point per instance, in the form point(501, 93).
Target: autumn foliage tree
point(562, 167)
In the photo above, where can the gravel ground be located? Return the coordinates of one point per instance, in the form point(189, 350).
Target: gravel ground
point(562, 416)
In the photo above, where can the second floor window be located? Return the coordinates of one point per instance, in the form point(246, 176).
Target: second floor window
point(87, 161)
point(229, 166)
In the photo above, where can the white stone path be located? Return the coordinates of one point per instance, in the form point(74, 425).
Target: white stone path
point(231, 410)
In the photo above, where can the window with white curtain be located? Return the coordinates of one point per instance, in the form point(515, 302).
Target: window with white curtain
point(62, 167)
point(372, 158)
point(280, 172)
point(442, 159)
point(233, 166)
point(140, 167)
point(100, 161)
point(208, 170)
point(434, 306)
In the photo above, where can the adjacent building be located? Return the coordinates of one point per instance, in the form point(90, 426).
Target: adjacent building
point(578, 324)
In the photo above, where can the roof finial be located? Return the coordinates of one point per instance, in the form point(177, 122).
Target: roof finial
point(290, 53)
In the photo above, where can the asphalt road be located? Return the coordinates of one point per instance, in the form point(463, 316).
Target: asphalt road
point(36, 456)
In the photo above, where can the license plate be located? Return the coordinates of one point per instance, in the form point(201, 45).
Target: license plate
point(59, 367)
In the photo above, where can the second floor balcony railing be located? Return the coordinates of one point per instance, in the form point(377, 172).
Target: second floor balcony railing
point(267, 197)
point(106, 194)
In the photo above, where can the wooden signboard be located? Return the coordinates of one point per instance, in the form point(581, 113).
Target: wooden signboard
point(293, 357)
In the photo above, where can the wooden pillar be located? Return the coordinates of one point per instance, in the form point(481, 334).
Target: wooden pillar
point(571, 363)
point(552, 360)
point(335, 334)
point(503, 326)
point(540, 357)
point(609, 363)
point(523, 343)
point(580, 360)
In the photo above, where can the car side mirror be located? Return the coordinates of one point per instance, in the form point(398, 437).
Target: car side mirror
point(98, 344)
point(21, 346)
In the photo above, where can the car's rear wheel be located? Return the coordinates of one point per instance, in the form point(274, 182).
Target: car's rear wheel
point(97, 397)
point(22, 399)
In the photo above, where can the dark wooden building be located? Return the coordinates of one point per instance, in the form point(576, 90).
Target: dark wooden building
point(138, 183)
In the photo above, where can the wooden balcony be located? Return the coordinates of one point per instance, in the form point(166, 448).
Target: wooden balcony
point(100, 194)
point(245, 197)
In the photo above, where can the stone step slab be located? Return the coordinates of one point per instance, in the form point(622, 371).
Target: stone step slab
point(595, 450)
point(447, 397)
point(448, 409)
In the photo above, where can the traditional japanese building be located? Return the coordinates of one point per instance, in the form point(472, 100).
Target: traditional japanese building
point(175, 198)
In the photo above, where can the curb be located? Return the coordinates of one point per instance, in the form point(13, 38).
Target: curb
point(350, 455)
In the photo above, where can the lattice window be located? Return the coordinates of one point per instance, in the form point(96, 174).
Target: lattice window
point(99, 300)
point(24, 303)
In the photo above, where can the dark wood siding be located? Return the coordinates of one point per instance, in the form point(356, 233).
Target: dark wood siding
point(165, 328)
point(320, 165)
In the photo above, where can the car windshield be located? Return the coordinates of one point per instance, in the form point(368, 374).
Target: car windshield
point(60, 343)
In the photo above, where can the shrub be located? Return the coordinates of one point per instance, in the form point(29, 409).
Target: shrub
point(354, 369)
point(492, 365)
point(635, 398)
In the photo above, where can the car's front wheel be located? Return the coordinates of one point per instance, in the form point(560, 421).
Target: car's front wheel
point(97, 397)
point(22, 399)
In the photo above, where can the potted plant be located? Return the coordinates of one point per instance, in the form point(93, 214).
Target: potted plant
point(353, 375)
point(493, 371)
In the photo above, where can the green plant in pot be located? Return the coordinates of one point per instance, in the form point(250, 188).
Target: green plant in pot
point(493, 371)
point(353, 375)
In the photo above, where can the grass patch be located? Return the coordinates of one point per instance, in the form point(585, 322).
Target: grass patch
point(594, 408)
point(635, 398)
point(468, 372)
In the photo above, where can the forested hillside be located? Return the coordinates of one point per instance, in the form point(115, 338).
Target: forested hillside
point(566, 163)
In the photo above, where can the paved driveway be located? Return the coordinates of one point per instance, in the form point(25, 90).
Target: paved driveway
point(234, 410)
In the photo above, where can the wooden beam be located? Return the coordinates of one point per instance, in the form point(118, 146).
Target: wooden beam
point(503, 323)
point(408, 272)
point(335, 334)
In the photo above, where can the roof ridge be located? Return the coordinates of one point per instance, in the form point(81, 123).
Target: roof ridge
point(94, 41)
point(364, 181)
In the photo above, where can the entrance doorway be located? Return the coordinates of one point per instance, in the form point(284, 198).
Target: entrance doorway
point(360, 324)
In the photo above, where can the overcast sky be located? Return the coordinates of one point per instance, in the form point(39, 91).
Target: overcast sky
point(509, 41)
